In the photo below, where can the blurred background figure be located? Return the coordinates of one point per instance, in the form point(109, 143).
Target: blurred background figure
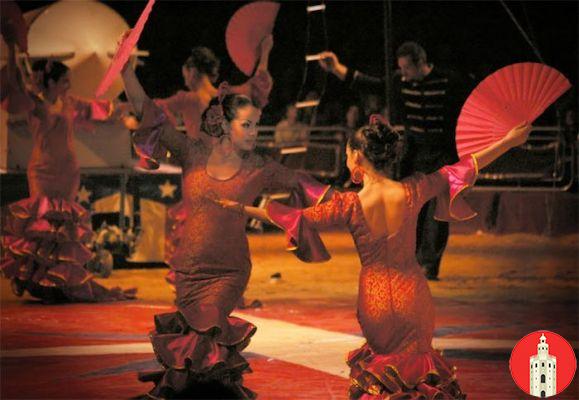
point(352, 117)
point(291, 130)
point(372, 105)
point(44, 240)
point(200, 73)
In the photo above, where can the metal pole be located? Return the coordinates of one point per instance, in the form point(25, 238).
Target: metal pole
point(123, 195)
point(522, 31)
point(387, 53)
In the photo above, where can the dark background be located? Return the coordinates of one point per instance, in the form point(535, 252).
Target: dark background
point(474, 38)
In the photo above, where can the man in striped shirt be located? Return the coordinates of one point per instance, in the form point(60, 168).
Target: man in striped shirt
point(427, 102)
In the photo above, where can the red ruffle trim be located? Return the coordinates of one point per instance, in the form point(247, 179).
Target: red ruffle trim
point(43, 250)
point(413, 376)
point(194, 357)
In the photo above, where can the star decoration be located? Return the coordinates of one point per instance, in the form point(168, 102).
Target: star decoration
point(167, 189)
point(83, 195)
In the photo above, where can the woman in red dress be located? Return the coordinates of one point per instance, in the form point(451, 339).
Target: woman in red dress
point(44, 236)
point(200, 72)
point(199, 345)
point(395, 307)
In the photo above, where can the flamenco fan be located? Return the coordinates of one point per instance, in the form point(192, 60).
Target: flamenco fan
point(245, 31)
point(513, 94)
point(124, 51)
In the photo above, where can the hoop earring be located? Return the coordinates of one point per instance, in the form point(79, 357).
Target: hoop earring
point(357, 175)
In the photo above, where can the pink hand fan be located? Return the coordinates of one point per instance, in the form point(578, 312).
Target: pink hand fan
point(513, 94)
point(245, 31)
point(124, 51)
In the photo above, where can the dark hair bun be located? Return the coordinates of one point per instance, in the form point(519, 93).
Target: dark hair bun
point(379, 144)
point(204, 60)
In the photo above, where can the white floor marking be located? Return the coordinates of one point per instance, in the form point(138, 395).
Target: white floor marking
point(314, 348)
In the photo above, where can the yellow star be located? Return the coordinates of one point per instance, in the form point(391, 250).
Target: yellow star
point(83, 195)
point(167, 189)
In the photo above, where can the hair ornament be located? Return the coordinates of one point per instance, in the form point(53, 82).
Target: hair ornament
point(215, 115)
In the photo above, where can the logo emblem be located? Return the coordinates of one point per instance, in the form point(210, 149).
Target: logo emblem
point(543, 364)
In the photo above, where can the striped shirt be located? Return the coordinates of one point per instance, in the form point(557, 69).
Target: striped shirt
point(424, 107)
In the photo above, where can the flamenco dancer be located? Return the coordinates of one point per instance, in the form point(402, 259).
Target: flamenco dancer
point(44, 237)
point(199, 345)
point(200, 72)
point(395, 307)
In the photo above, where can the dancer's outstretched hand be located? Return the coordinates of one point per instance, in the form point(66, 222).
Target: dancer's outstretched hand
point(515, 137)
point(229, 205)
point(519, 134)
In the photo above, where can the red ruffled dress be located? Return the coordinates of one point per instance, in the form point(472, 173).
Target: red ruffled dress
point(199, 345)
point(395, 307)
point(188, 106)
point(43, 239)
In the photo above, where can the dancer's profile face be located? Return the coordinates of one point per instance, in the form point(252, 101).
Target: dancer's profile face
point(190, 77)
point(244, 128)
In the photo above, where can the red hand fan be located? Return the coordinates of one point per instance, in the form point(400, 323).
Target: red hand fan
point(124, 51)
point(245, 31)
point(13, 26)
point(513, 94)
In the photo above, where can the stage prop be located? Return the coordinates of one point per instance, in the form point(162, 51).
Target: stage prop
point(246, 30)
point(512, 95)
point(108, 146)
point(124, 52)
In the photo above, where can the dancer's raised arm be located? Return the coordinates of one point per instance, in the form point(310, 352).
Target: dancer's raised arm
point(449, 183)
point(155, 134)
point(265, 49)
point(133, 89)
point(259, 86)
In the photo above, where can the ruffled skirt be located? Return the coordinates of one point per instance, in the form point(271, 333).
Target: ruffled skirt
point(403, 376)
point(199, 363)
point(44, 252)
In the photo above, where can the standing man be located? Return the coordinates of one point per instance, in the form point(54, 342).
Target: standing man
point(427, 101)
